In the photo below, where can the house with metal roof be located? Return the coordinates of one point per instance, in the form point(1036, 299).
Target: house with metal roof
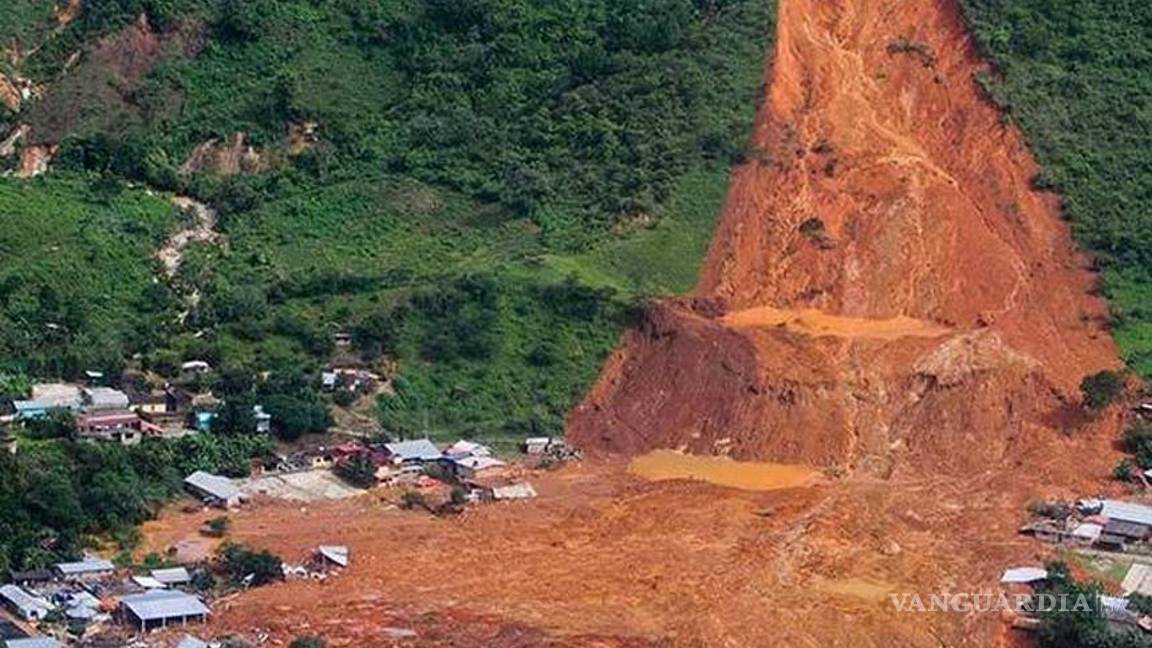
point(469, 467)
point(32, 642)
point(1023, 575)
point(31, 576)
point(416, 450)
point(172, 576)
point(27, 410)
point(161, 608)
point(125, 428)
point(335, 554)
point(85, 568)
point(464, 448)
point(29, 607)
point(522, 490)
point(103, 398)
point(1130, 531)
point(217, 490)
point(1127, 512)
point(58, 395)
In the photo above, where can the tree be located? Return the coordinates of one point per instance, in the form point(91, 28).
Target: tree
point(58, 424)
point(307, 642)
point(293, 416)
point(1100, 389)
point(358, 470)
point(253, 568)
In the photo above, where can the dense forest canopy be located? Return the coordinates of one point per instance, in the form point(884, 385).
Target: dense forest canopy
point(1077, 77)
point(436, 176)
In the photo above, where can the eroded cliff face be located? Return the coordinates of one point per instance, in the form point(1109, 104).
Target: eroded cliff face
point(885, 291)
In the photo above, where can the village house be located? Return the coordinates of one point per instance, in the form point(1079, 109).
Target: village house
point(27, 410)
point(469, 467)
point(536, 445)
point(31, 577)
point(414, 451)
point(337, 555)
point(125, 428)
point(27, 606)
point(100, 399)
point(91, 568)
point(214, 489)
point(32, 642)
point(263, 420)
point(195, 367)
point(161, 608)
point(58, 396)
point(172, 577)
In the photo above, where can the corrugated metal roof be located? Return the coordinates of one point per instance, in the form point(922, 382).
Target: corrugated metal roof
point(1115, 608)
point(1138, 579)
point(85, 567)
point(28, 405)
point(172, 575)
point(32, 642)
point(219, 487)
point(105, 398)
point(191, 642)
point(164, 604)
point(1127, 512)
point(1023, 575)
point(479, 463)
point(336, 553)
point(22, 599)
point(417, 449)
point(1126, 529)
point(515, 491)
point(147, 582)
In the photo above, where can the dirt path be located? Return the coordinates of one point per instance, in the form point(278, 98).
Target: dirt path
point(201, 229)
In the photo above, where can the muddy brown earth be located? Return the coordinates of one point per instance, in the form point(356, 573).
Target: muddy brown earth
point(886, 301)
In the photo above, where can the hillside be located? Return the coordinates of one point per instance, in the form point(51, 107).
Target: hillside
point(478, 192)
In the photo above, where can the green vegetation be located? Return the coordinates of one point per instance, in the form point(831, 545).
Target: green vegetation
point(55, 496)
point(489, 188)
point(1101, 389)
point(1077, 76)
point(248, 567)
point(358, 470)
point(1082, 626)
point(492, 185)
point(76, 275)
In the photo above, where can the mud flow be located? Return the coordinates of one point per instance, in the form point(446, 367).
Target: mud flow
point(748, 475)
point(883, 281)
point(885, 301)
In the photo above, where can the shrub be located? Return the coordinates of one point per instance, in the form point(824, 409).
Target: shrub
point(358, 470)
point(1101, 389)
point(250, 567)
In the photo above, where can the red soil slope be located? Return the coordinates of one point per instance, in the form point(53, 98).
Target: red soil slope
point(884, 290)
